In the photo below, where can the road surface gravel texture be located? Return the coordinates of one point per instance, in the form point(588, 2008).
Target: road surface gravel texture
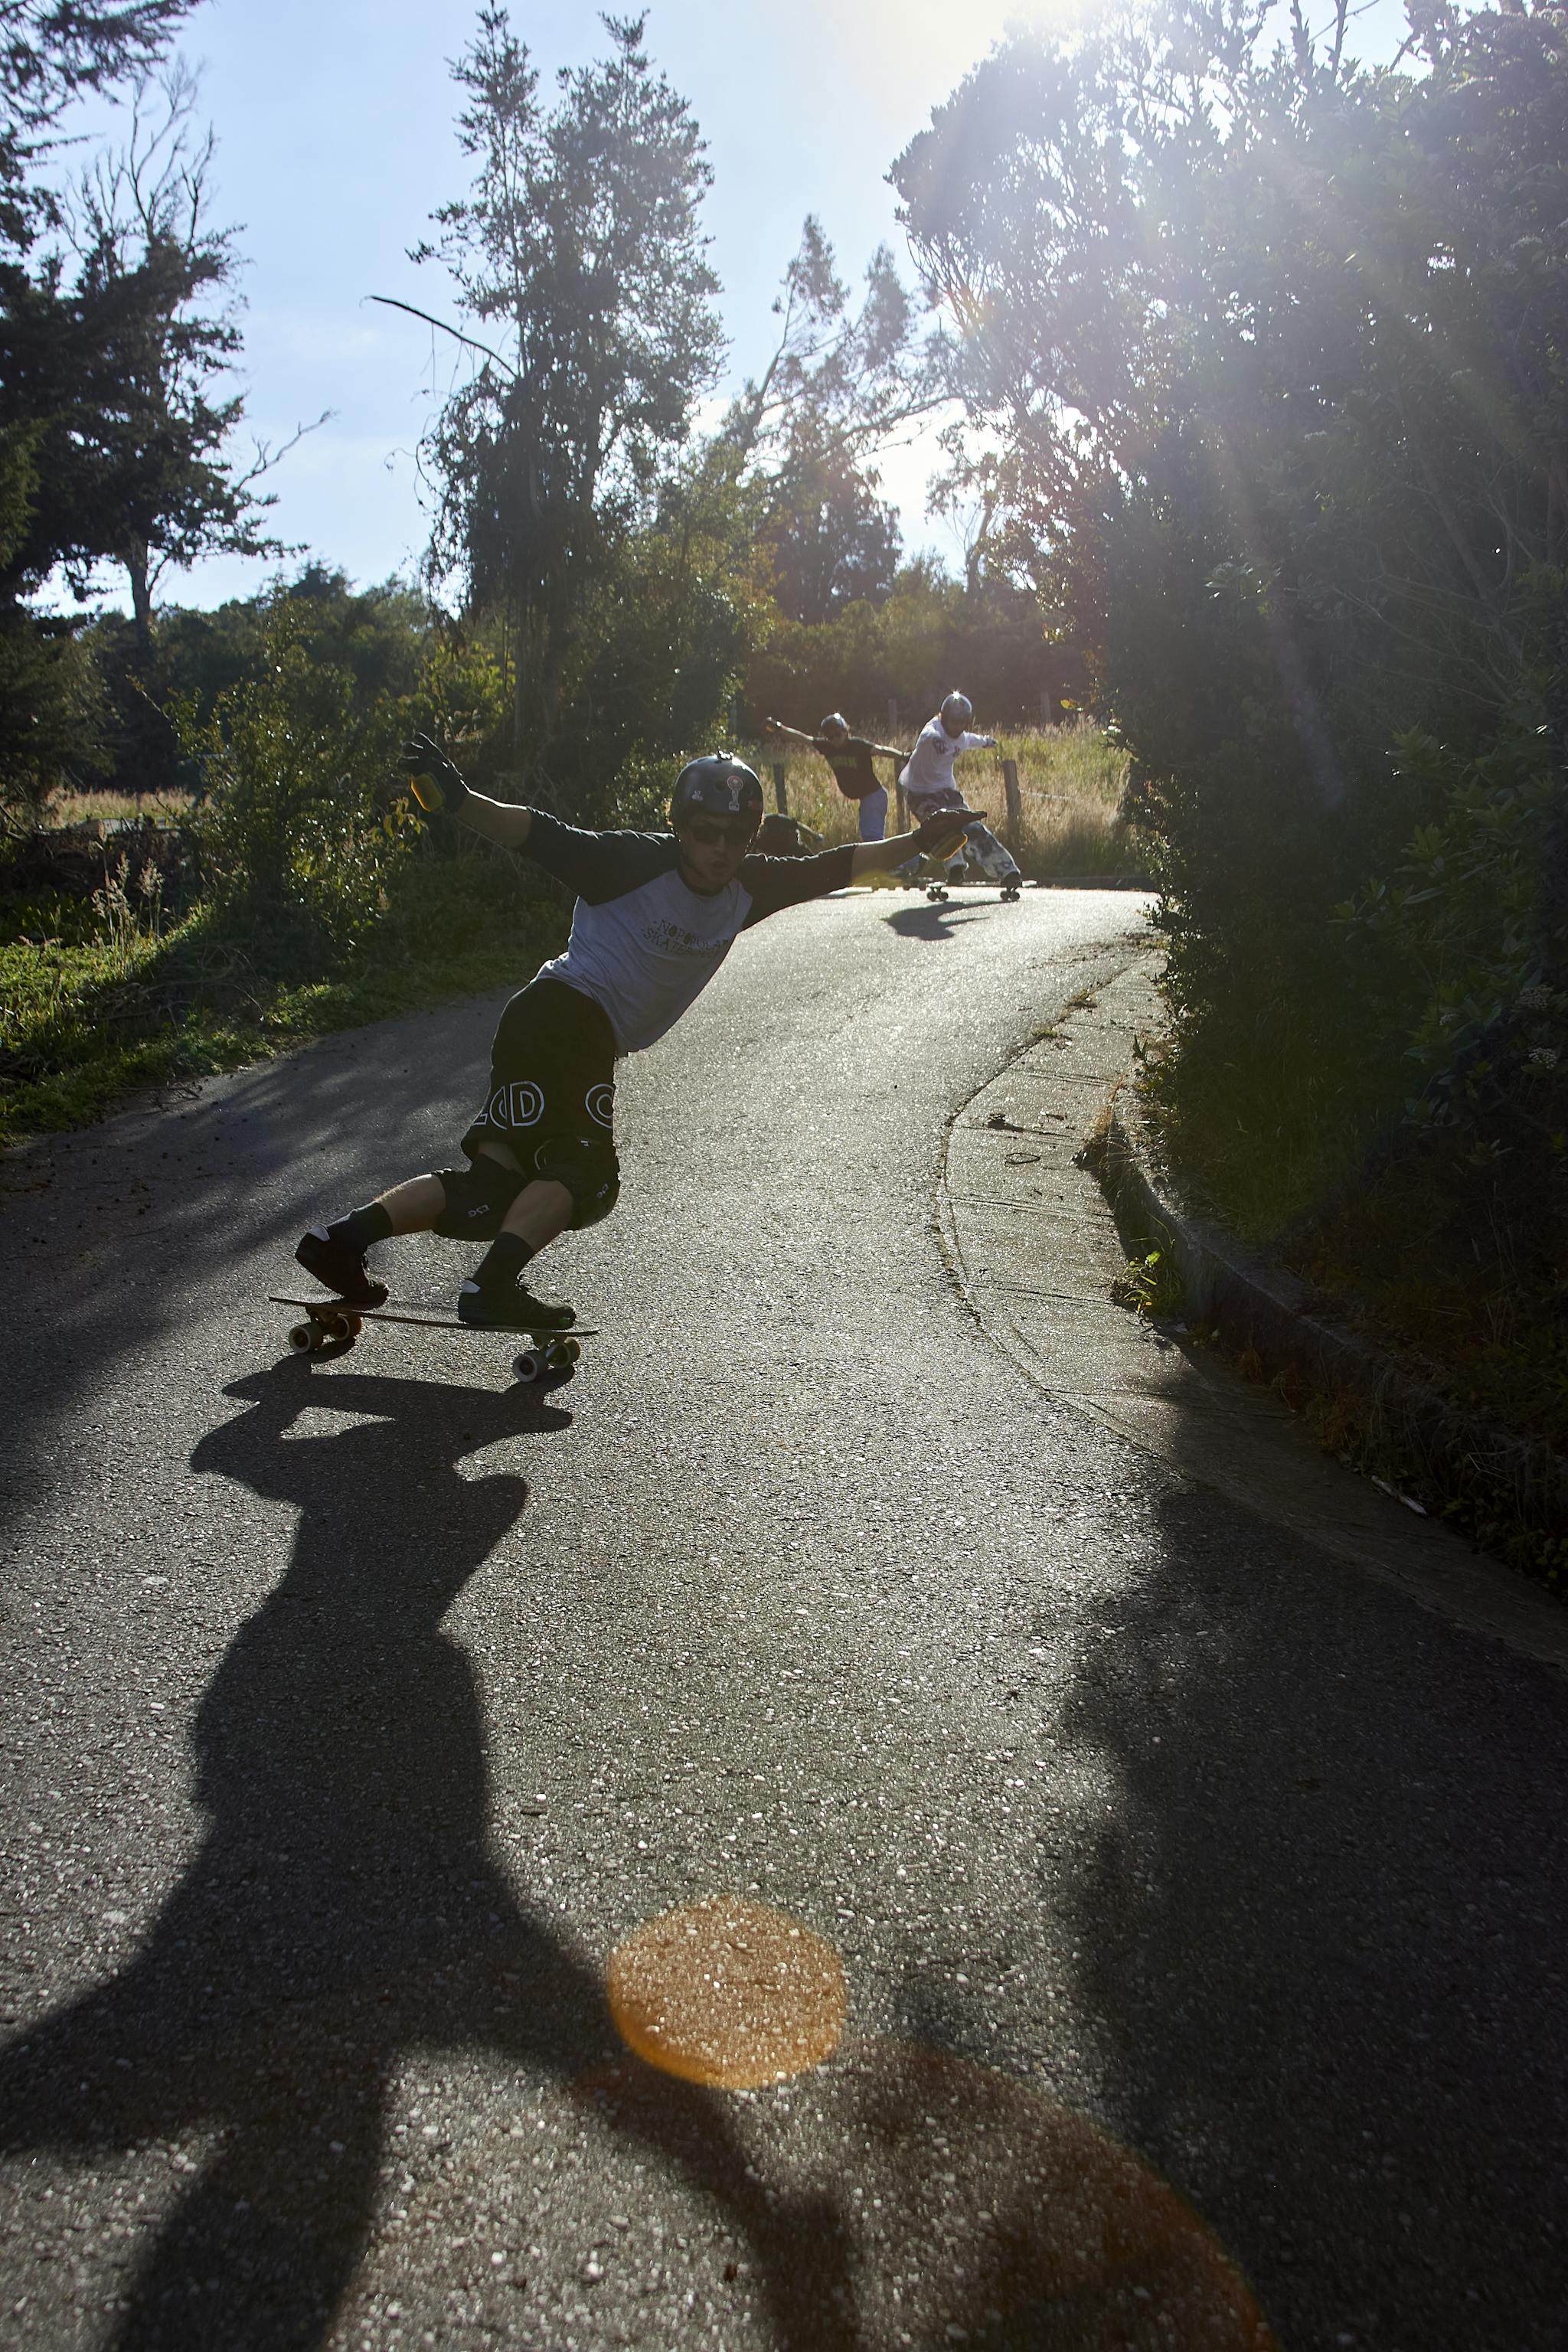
point(1174, 1914)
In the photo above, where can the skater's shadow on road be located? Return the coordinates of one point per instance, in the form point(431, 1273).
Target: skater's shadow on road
point(346, 1902)
point(930, 922)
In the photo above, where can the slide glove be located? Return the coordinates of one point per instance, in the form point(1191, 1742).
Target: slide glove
point(435, 783)
point(941, 834)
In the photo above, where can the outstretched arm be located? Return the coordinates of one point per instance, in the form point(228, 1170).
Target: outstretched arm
point(864, 743)
point(779, 728)
point(499, 821)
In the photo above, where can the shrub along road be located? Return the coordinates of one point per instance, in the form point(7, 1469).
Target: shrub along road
point(359, 1714)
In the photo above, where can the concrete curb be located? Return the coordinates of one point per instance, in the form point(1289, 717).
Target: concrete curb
point(1431, 1445)
point(1032, 1244)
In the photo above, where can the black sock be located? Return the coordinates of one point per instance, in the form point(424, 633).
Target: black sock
point(362, 1228)
point(502, 1263)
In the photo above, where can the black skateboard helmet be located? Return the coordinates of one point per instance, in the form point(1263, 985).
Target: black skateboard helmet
point(719, 786)
point(834, 727)
point(957, 710)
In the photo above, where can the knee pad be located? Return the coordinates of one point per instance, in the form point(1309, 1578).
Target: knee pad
point(478, 1198)
point(588, 1169)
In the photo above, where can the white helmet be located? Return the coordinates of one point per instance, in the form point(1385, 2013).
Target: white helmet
point(957, 710)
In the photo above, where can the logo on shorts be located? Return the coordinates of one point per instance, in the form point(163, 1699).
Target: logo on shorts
point(521, 1104)
point(599, 1102)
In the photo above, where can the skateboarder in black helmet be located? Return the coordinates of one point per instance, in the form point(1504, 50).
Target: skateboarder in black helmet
point(656, 913)
point(852, 759)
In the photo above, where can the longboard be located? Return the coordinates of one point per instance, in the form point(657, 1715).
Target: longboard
point(931, 864)
point(930, 874)
point(333, 1322)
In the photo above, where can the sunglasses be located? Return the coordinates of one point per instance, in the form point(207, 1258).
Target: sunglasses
point(733, 836)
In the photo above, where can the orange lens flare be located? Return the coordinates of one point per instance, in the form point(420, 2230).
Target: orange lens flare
point(727, 1993)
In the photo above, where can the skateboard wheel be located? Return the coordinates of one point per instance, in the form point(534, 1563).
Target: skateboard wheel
point(303, 1338)
point(530, 1364)
point(340, 1327)
point(562, 1354)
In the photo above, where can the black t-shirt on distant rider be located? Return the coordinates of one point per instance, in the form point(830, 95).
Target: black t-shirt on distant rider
point(852, 762)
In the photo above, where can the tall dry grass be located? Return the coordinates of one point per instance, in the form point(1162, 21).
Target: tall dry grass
point(66, 808)
point(1070, 783)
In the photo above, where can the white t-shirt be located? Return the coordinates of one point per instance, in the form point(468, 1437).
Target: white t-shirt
point(930, 768)
point(645, 956)
point(642, 945)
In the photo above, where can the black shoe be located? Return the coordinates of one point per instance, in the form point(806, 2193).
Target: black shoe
point(511, 1307)
point(342, 1269)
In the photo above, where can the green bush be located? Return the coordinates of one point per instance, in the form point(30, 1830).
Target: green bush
point(301, 821)
point(1450, 940)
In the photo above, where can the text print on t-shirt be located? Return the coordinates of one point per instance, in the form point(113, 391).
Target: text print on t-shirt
point(666, 938)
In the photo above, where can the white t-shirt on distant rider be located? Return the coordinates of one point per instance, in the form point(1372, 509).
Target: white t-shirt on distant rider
point(930, 768)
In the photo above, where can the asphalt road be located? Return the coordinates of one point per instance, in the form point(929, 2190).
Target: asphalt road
point(1199, 1905)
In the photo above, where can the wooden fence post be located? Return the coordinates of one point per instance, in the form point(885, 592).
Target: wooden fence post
point(1015, 806)
point(783, 805)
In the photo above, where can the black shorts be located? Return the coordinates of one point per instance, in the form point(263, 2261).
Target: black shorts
point(552, 1094)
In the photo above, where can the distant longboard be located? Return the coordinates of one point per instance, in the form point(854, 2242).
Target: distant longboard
point(333, 1323)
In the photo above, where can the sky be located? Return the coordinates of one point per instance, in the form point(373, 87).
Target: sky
point(333, 121)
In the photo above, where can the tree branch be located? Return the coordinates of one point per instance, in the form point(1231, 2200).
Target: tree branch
point(392, 303)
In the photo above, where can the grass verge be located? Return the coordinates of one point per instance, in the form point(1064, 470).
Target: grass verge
point(99, 999)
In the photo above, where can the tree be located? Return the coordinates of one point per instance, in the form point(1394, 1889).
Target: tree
point(1268, 352)
point(840, 381)
point(150, 485)
point(116, 328)
point(927, 631)
point(578, 252)
point(52, 51)
point(831, 539)
point(1307, 316)
point(56, 369)
point(380, 638)
point(857, 375)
